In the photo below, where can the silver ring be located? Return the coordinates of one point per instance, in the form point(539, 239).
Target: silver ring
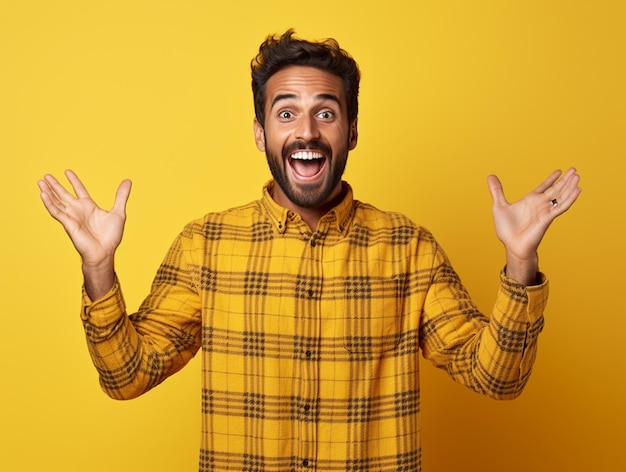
point(554, 202)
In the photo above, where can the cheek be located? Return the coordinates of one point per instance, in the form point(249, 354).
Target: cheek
point(342, 140)
point(275, 139)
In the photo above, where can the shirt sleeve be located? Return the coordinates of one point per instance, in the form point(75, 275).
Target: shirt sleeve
point(492, 355)
point(133, 354)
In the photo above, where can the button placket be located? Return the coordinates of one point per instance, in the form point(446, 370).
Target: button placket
point(309, 319)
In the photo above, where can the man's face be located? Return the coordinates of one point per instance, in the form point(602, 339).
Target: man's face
point(307, 136)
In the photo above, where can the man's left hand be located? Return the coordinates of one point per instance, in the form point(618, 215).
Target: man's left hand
point(521, 225)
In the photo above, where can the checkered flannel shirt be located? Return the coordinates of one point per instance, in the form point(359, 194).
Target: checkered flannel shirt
point(310, 340)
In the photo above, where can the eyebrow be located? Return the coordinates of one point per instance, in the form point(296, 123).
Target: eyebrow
point(293, 96)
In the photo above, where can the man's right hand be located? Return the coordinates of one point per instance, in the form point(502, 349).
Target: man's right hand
point(95, 233)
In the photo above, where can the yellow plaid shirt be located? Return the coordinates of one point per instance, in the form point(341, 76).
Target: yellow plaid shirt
point(310, 341)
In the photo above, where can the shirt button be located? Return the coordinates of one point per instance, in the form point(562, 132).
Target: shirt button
point(313, 244)
point(307, 407)
point(310, 293)
point(308, 353)
point(305, 463)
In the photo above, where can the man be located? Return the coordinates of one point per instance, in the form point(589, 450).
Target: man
point(310, 307)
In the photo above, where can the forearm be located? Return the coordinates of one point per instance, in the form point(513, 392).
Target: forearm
point(135, 353)
point(131, 357)
point(491, 355)
point(113, 343)
point(505, 352)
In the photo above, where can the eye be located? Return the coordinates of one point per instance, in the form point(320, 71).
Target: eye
point(325, 115)
point(285, 115)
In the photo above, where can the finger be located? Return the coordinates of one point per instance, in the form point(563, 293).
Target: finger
point(77, 185)
point(47, 192)
point(572, 197)
point(55, 207)
point(121, 197)
point(570, 181)
point(568, 197)
point(497, 193)
point(57, 191)
point(571, 178)
point(566, 186)
point(546, 184)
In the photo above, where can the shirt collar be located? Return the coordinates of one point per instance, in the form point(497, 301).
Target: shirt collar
point(340, 215)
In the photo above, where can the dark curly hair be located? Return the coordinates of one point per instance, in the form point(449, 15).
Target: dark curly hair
point(276, 53)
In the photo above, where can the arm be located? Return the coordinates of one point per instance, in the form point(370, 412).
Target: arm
point(492, 355)
point(520, 226)
point(132, 354)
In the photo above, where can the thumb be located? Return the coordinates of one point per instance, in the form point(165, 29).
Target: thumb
point(495, 188)
point(121, 197)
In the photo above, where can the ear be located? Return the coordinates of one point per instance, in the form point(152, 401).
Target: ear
point(259, 135)
point(354, 135)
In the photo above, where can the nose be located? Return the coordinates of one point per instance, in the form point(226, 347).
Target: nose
point(307, 128)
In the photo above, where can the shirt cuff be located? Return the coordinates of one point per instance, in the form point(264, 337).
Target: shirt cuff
point(105, 311)
point(532, 299)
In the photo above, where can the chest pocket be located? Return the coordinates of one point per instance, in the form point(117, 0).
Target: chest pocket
point(373, 313)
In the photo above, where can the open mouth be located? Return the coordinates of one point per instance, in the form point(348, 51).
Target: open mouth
point(307, 164)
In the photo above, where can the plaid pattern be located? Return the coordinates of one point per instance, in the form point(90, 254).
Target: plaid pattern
point(310, 341)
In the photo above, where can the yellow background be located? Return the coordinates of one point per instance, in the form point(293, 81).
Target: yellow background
point(159, 91)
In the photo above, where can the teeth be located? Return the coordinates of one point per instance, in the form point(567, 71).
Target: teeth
point(306, 155)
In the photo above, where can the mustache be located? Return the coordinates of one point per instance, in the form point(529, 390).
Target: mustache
point(301, 145)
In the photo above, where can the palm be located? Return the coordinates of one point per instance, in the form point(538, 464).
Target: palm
point(521, 225)
point(96, 233)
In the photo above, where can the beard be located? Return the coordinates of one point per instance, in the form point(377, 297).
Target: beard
point(313, 195)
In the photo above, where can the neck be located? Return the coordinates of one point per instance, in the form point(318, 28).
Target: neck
point(311, 216)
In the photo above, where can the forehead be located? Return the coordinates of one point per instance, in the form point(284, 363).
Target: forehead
point(304, 82)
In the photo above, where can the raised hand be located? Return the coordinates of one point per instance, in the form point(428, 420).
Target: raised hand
point(521, 225)
point(95, 233)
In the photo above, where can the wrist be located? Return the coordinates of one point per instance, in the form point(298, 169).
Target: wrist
point(98, 278)
point(522, 270)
